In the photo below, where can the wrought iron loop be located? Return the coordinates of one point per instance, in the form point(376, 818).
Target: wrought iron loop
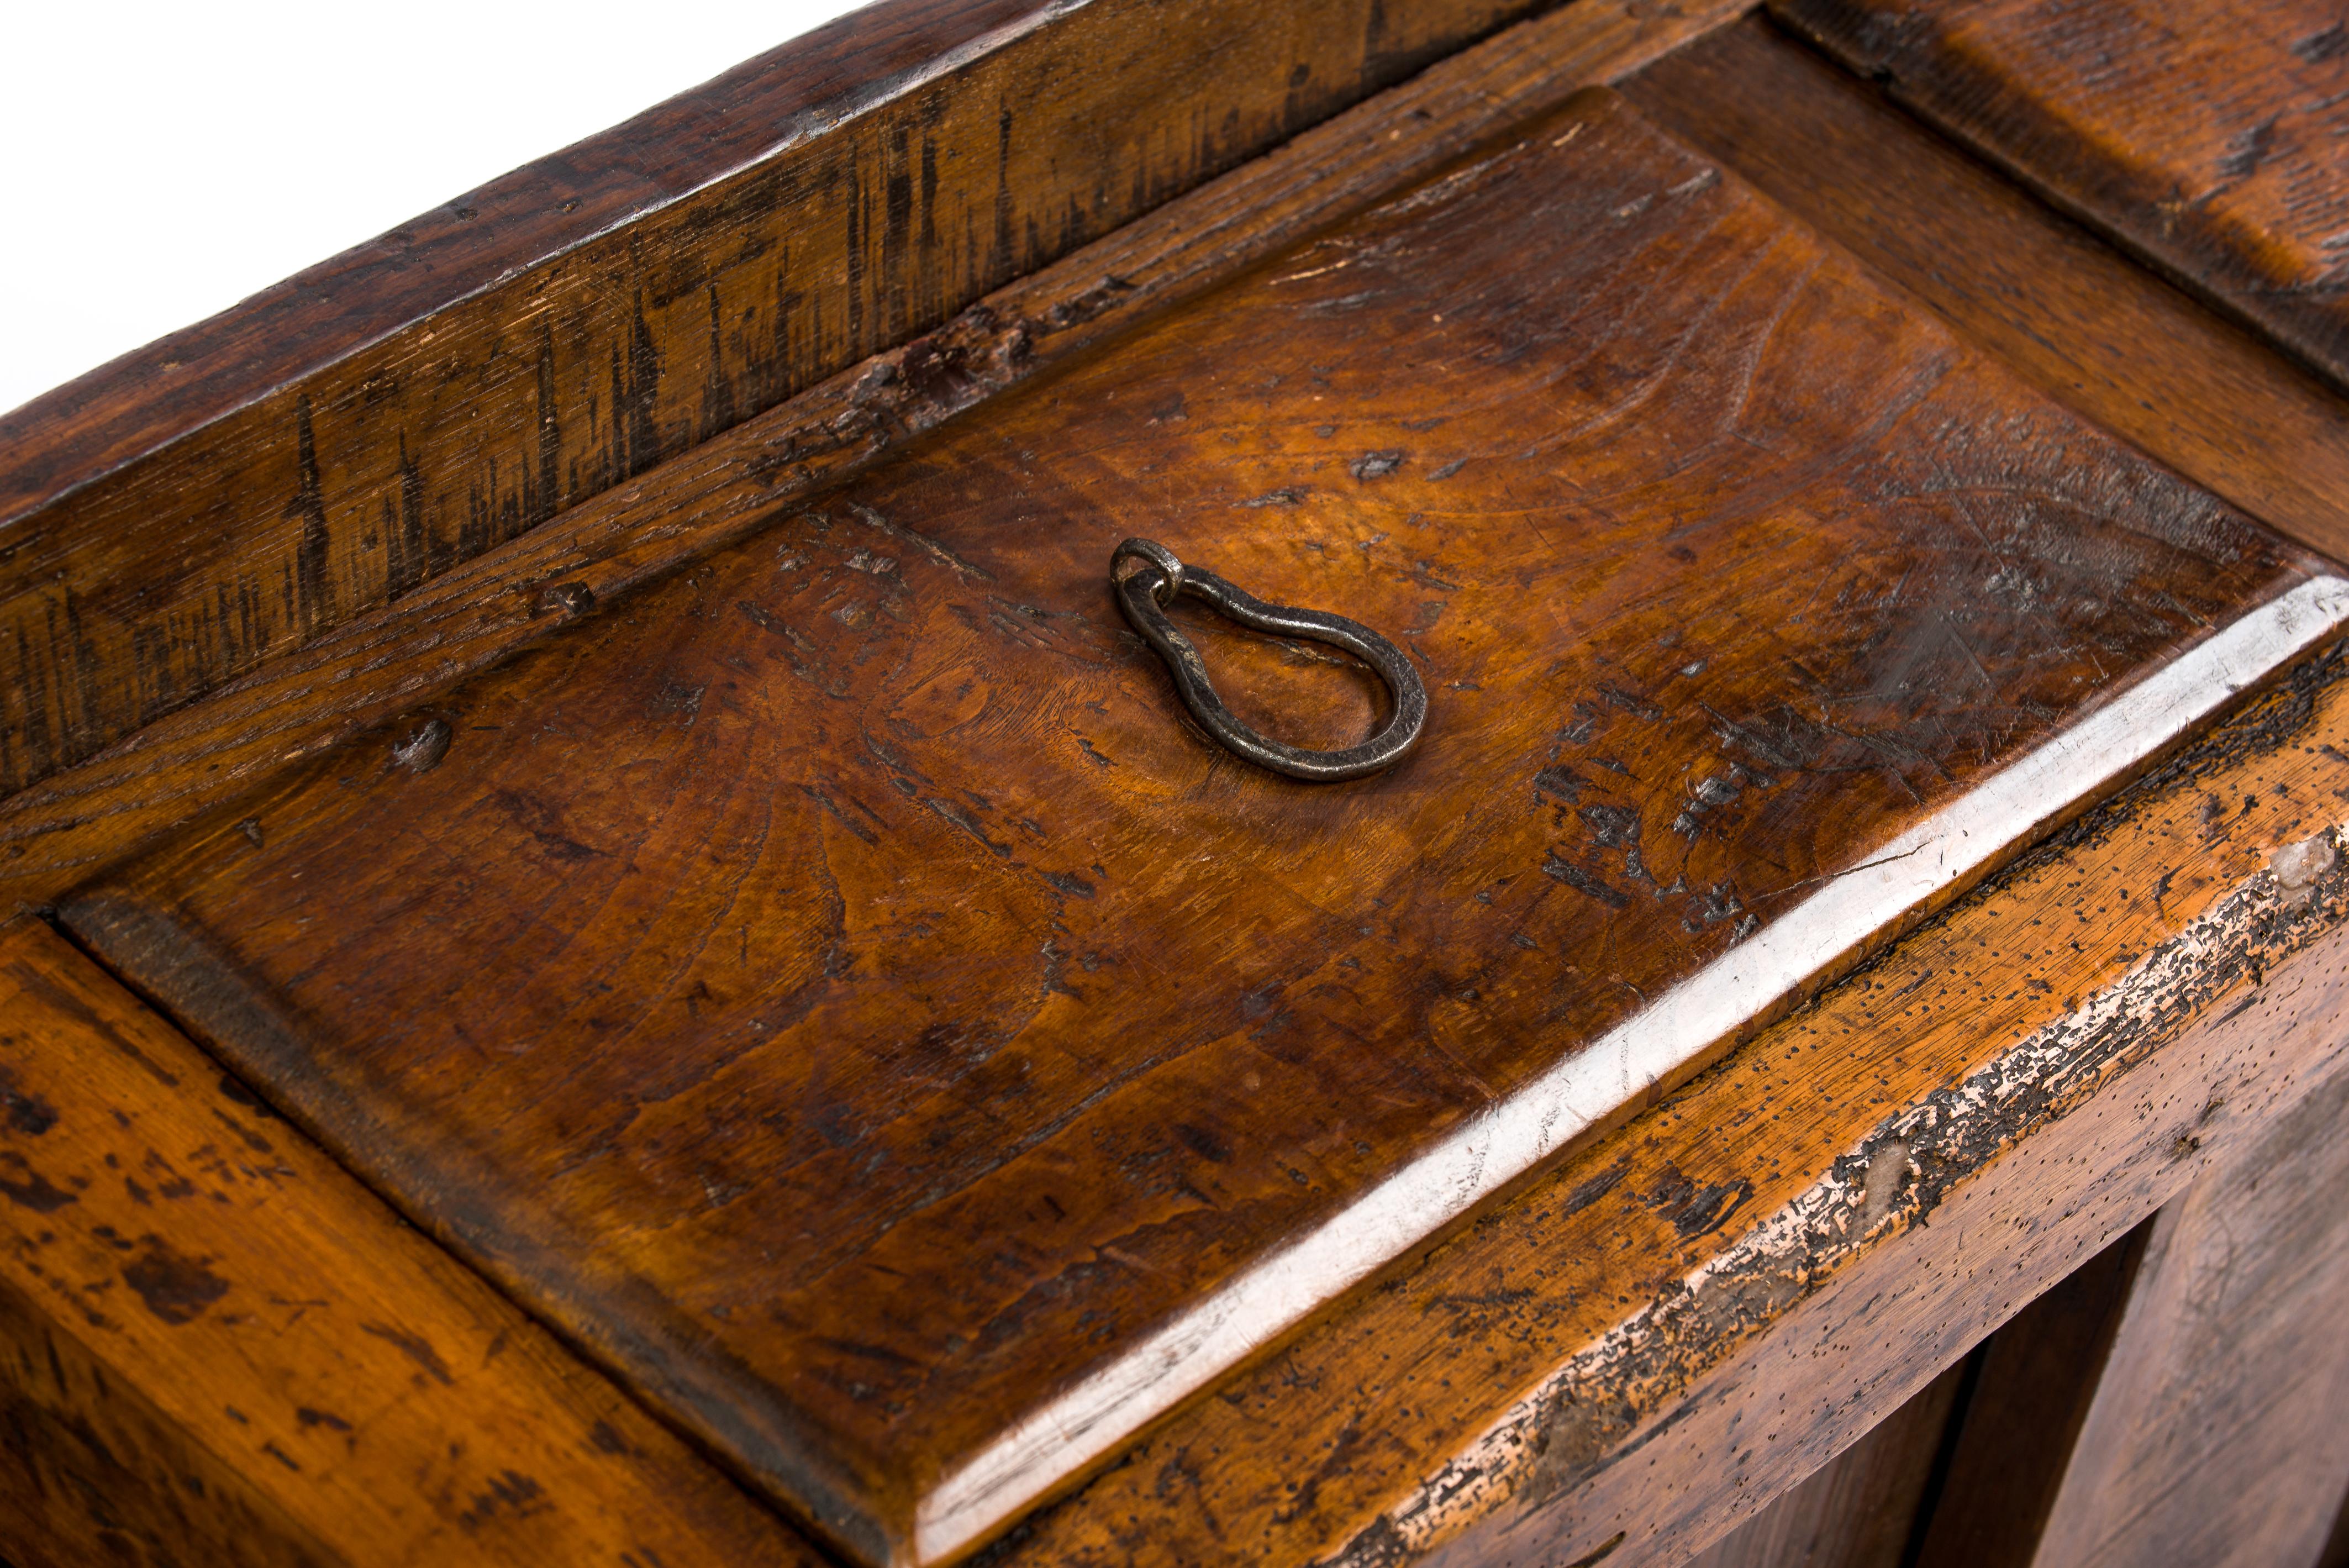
point(1157, 580)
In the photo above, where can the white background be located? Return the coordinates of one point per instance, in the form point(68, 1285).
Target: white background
point(163, 162)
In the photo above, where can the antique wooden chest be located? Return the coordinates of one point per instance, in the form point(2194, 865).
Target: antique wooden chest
point(621, 948)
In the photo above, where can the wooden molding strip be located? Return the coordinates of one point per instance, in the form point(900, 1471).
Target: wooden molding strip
point(183, 516)
point(1660, 1045)
point(1883, 1178)
point(367, 669)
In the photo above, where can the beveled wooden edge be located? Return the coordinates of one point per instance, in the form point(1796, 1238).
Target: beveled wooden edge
point(2079, 318)
point(71, 825)
point(811, 86)
point(1598, 1085)
point(2018, 1081)
point(240, 1353)
point(235, 494)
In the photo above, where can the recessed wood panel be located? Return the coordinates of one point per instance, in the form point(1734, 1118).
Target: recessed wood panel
point(841, 990)
point(461, 620)
point(224, 497)
point(2207, 134)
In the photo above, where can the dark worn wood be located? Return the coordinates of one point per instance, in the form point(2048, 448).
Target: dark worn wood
point(2215, 1435)
point(2081, 321)
point(1859, 1510)
point(1934, 1143)
point(2205, 134)
point(62, 829)
point(179, 518)
point(2036, 1378)
point(716, 975)
point(217, 1347)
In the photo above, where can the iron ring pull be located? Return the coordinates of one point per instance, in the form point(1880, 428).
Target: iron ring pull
point(1159, 579)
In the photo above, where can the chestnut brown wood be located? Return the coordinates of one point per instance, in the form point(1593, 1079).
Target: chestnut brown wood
point(716, 975)
point(2215, 1433)
point(2081, 321)
point(2205, 134)
point(216, 1348)
point(63, 829)
point(179, 518)
point(2228, 1009)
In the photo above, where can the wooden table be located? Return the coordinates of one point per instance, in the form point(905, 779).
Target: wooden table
point(613, 954)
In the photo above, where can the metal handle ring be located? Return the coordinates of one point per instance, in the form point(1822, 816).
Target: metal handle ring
point(1160, 579)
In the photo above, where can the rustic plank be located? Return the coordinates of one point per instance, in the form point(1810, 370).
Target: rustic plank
point(2036, 1378)
point(179, 518)
point(2026, 1078)
point(2204, 134)
point(216, 1347)
point(831, 866)
point(2082, 322)
point(363, 671)
point(2215, 1433)
point(1857, 1510)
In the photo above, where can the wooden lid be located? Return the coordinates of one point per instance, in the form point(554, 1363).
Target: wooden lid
point(842, 990)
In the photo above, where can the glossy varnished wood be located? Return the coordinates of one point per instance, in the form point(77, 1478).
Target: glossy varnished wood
point(2205, 134)
point(1886, 1177)
point(179, 518)
point(2082, 321)
point(1859, 1510)
point(719, 975)
point(217, 1347)
point(63, 829)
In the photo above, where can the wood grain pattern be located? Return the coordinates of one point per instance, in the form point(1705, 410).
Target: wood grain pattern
point(867, 858)
point(361, 673)
point(2204, 134)
point(2035, 1380)
point(1933, 1143)
point(1857, 1510)
point(217, 1347)
point(2215, 1433)
point(2084, 323)
point(240, 488)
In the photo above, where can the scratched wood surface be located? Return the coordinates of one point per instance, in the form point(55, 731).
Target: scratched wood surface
point(179, 518)
point(216, 1348)
point(2205, 134)
point(868, 859)
point(2215, 1433)
point(1909, 1162)
point(62, 830)
point(2085, 322)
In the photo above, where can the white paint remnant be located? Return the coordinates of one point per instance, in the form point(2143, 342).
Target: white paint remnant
point(2298, 865)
